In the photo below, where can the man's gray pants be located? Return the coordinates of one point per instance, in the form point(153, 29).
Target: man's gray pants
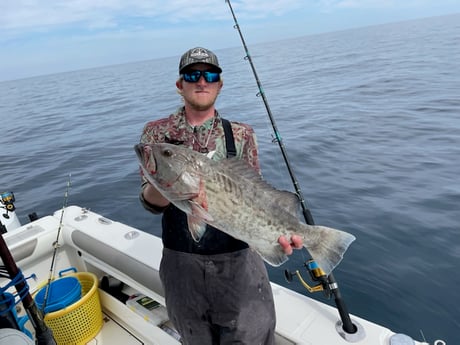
point(219, 299)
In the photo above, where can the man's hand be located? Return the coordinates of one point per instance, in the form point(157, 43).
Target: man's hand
point(295, 243)
point(154, 197)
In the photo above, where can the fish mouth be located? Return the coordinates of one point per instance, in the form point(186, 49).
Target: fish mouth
point(146, 158)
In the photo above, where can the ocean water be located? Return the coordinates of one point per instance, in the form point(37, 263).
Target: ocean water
point(370, 119)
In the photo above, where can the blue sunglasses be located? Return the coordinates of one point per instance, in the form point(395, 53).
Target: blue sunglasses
point(193, 76)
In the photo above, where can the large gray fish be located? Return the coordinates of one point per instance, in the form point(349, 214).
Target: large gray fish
point(230, 196)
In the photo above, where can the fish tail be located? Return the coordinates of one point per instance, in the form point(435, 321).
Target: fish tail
point(327, 246)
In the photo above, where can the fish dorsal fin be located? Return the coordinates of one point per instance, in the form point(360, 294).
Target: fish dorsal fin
point(240, 168)
point(243, 170)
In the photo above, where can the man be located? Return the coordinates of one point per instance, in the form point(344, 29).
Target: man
point(217, 290)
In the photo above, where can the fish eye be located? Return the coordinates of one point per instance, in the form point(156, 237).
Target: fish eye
point(167, 153)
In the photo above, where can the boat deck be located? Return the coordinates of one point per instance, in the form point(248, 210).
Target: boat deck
point(115, 331)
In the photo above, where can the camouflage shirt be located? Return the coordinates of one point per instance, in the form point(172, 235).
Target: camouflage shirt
point(205, 138)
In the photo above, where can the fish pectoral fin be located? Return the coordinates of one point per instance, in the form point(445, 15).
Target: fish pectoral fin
point(199, 204)
point(200, 212)
point(196, 227)
point(273, 255)
point(183, 205)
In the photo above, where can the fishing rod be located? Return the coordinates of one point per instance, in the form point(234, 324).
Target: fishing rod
point(43, 333)
point(328, 282)
point(56, 243)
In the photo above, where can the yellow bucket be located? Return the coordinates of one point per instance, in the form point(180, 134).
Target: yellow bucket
point(79, 322)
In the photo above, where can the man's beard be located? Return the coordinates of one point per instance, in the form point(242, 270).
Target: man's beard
point(199, 106)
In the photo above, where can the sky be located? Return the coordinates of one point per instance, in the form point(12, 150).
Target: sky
point(40, 37)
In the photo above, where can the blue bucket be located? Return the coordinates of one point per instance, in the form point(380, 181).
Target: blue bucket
point(62, 293)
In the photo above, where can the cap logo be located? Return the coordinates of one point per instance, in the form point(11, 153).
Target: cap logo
point(199, 54)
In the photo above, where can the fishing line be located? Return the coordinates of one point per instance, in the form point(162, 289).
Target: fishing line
point(347, 325)
point(56, 243)
point(306, 212)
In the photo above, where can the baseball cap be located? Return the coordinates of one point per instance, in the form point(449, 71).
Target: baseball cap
point(198, 55)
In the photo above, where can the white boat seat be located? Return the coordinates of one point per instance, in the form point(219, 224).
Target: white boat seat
point(122, 261)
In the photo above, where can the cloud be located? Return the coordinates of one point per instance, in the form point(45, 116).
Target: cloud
point(367, 3)
point(25, 15)
point(393, 4)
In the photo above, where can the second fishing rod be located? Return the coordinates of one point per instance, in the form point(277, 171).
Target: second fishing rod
point(330, 282)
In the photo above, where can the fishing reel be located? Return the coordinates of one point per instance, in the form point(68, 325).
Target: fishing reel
point(7, 199)
point(317, 275)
